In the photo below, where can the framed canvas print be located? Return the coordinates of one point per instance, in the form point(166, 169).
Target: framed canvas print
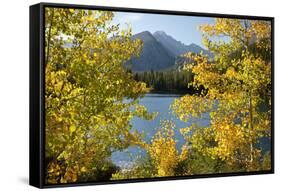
point(127, 95)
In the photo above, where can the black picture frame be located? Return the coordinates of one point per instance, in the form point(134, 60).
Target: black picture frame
point(37, 86)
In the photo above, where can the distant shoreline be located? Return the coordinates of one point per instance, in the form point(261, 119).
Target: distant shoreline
point(176, 92)
point(164, 94)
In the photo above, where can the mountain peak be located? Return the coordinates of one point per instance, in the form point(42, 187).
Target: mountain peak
point(153, 56)
point(171, 44)
point(193, 45)
point(159, 33)
point(176, 47)
point(144, 35)
point(160, 51)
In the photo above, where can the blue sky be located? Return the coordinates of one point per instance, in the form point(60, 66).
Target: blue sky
point(182, 28)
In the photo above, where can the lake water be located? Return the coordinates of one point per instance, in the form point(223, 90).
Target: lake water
point(154, 103)
point(161, 103)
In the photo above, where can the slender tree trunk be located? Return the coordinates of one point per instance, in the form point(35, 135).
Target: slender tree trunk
point(251, 127)
point(49, 37)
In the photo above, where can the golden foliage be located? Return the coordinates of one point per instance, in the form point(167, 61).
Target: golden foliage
point(89, 95)
point(163, 151)
point(236, 85)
